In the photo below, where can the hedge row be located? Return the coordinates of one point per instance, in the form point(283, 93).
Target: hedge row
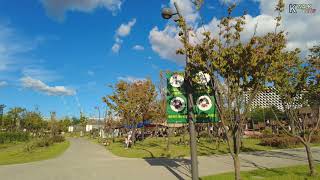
point(6, 137)
point(283, 141)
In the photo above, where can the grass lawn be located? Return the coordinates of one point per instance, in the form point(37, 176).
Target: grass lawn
point(14, 153)
point(288, 173)
point(156, 147)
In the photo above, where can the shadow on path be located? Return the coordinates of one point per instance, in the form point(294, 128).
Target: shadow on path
point(180, 168)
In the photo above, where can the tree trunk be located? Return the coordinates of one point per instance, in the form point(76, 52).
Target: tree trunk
point(168, 140)
point(142, 132)
point(133, 134)
point(310, 159)
point(236, 162)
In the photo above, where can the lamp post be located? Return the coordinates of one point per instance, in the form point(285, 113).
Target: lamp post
point(167, 13)
point(2, 106)
point(98, 108)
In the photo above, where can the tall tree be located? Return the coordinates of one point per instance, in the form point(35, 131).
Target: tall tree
point(14, 117)
point(239, 69)
point(132, 101)
point(298, 86)
point(33, 121)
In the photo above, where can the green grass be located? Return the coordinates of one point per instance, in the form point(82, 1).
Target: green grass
point(288, 173)
point(14, 153)
point(156, 147)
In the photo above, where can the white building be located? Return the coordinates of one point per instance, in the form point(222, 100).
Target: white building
point(268, 98)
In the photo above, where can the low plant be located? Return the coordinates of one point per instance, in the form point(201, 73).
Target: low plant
point(7, 137)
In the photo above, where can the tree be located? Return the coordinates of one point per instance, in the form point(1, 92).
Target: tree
point(14, 117)
point(64, 123)
point(298, 86)
point(132, 101)
point(239, 70)
point(33, 121)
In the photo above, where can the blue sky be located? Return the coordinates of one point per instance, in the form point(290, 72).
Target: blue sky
point(61, 55)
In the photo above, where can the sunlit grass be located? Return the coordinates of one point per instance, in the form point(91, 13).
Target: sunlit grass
point(288, 173)
point(14, 153)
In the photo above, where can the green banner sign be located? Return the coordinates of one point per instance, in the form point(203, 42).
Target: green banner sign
point(204, 104)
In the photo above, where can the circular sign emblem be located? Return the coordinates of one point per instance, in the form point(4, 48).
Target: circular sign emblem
point(204, 103)
point(176, 80)
point(202, 78)
point(177, 104)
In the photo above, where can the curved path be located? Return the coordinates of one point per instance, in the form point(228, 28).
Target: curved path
point(85, 160)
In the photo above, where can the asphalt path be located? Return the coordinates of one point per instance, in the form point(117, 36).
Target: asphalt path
point(85, 160)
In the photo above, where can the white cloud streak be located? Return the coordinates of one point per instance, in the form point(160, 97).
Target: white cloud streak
point(138, 48)
point(3, 83)
point(57, 8)
point(38, 85)
point(130, 79)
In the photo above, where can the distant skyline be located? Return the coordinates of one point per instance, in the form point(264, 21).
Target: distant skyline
point(60, 55)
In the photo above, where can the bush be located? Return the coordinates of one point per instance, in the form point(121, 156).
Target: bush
point(280, 141)
point(58, 139)
point(315, 139)
point(43, 142)
point(6, 137)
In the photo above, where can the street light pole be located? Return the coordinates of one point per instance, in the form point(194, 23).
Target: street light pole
point(2, 106)
point(167, 14)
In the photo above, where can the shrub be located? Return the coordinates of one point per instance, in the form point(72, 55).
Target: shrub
point(43, 142)
point(58, 139)
point(280, 141)
point(315, 139)
point(267, 132)
point(6, 137)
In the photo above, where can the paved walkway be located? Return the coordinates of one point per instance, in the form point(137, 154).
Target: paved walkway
point(87, 161)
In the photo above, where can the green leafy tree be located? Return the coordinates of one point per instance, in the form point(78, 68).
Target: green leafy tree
point(298, 86)
point(14, 117)
point(132, 101)
point(33, 121)
point(237, 69)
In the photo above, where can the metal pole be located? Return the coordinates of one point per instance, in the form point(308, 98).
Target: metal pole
point(2, 106)
point(191, 120)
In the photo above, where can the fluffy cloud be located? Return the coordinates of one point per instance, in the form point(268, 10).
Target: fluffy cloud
point(302, 29)
point(123, 31)
point(165, 43)
point(131, 79)
point(57, 8)
point(138, 48)
point(40, 86)
point(187, 9)
point(3, 83)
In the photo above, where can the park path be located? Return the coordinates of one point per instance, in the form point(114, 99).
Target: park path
point(85, 160)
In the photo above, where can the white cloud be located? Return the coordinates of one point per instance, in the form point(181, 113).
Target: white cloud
point(40, 73)
point(131, 79)
point(123, 31)
point(302, 30)
point(57, 8)
point(12, 46)
point(91, 73)
point(165, 43)
point(138, 48)
point(116, 47)
point(187, 9)
point(3, 83)
point(40, 86)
